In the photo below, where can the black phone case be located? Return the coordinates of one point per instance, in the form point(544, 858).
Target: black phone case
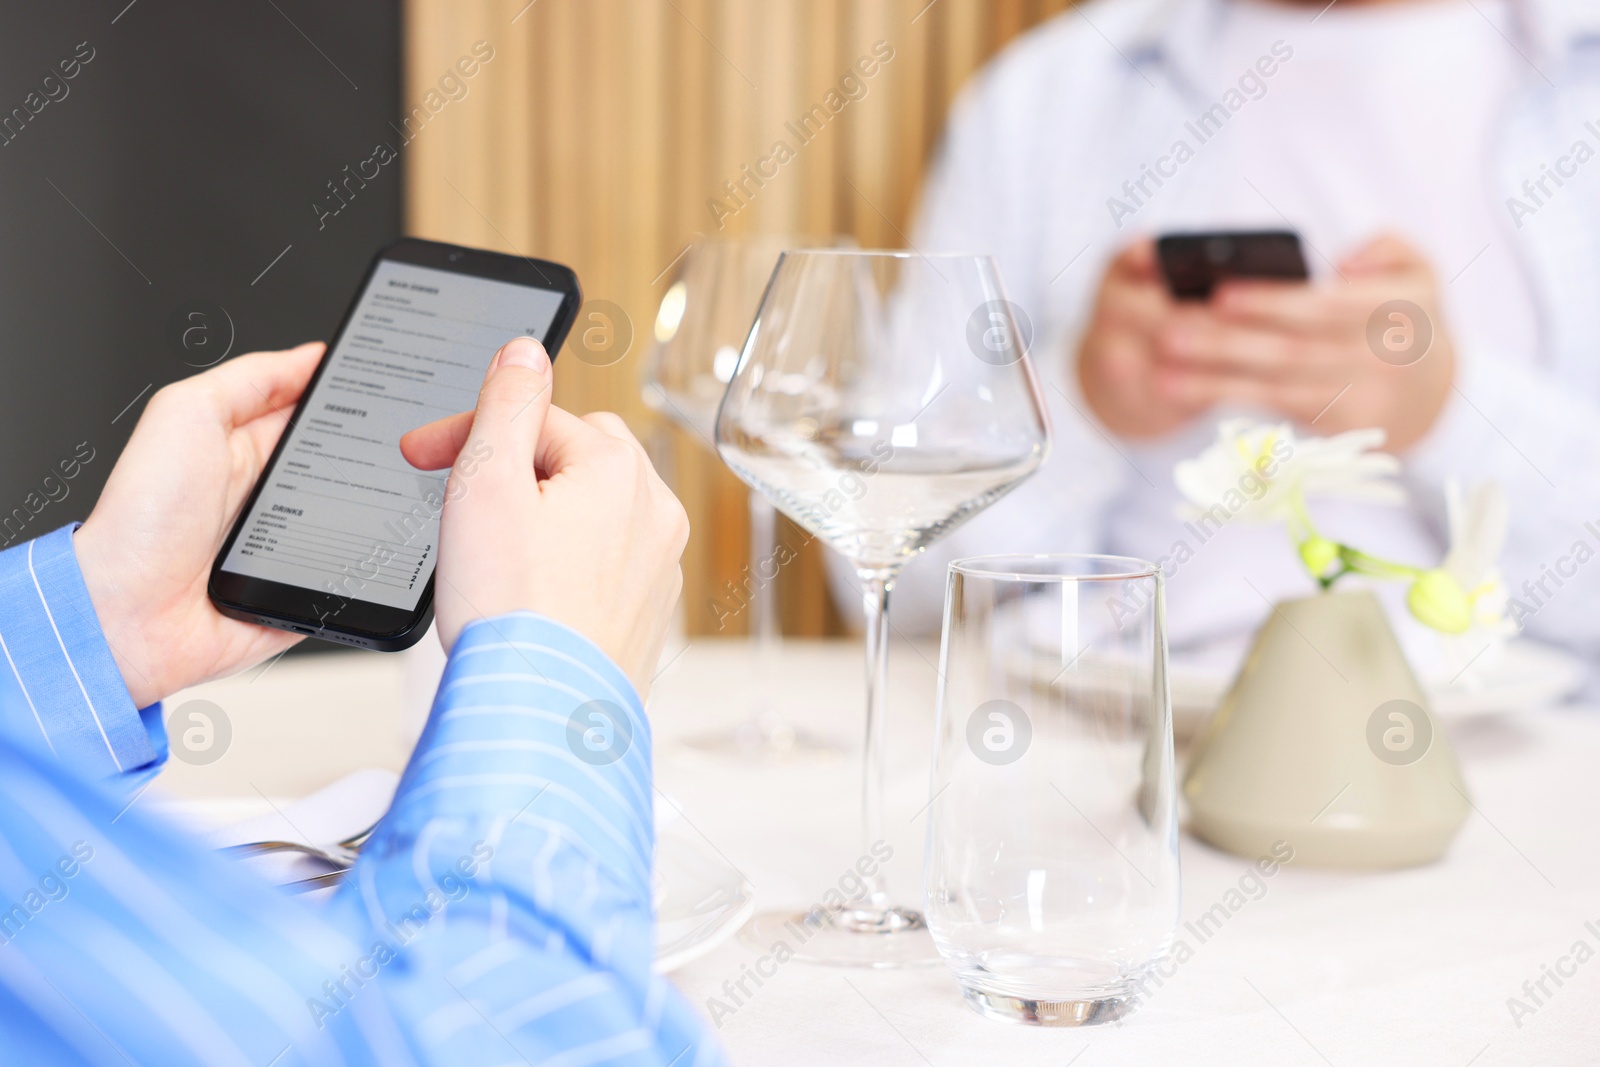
point(1195, 262)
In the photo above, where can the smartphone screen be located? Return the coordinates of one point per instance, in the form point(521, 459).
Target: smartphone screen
point(339, 514)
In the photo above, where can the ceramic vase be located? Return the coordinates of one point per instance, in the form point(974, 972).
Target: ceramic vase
point(1325, 742)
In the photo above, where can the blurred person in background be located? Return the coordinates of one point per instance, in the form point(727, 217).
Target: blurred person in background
point(1438, 151)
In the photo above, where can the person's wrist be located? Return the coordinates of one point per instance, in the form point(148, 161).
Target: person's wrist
point(117, 616)
point(1108, 407)
point(1089, 385)
point(624, 646)
point(1417, 418)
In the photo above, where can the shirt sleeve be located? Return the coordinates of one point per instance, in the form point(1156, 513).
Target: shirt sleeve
point(67, 694)
point(516, 858)
point(500, 914)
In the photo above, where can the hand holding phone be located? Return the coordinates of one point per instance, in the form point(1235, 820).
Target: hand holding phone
point(146, 549)
point(595, 544)
point(1149, 363)
point(340, 537)
point(1120, 370)
point(1131, 364)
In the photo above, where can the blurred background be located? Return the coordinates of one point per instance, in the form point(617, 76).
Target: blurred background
point(602, 131)
point(198, 190)
point(172, 175)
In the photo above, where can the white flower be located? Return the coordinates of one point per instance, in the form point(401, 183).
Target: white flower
point(1478, 522)
point(1261, 472)
point(1477, 534)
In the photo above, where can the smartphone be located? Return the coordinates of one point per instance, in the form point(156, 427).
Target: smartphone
point(1195, 262)
point(340, 535)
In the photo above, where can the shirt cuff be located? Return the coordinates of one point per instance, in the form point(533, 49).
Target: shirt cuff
point(65, 691)
point(534, 724)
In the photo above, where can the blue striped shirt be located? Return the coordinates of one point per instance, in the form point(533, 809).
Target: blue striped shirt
point(500, 914)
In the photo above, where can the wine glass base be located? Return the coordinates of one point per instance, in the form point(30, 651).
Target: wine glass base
point(1012, 1009)
point(844, 937)
point(763, 739)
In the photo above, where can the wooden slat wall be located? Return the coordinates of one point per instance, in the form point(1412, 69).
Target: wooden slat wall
point(599, 130)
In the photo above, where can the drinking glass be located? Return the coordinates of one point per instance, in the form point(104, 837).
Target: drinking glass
point(881, 399)
point(1051, 879)
point(700, 327)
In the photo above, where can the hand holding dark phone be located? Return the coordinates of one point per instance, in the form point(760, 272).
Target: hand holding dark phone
point(1194, 263)
point(339, 538)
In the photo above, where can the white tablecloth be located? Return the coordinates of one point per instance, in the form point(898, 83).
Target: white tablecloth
point(1411, 967)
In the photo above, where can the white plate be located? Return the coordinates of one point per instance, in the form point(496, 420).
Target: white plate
point(700, 900)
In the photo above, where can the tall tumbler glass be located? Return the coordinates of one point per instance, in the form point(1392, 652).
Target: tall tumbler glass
point(1051, 879)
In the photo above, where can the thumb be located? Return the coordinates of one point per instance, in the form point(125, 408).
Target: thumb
point(1138, 261)
point(435, 446)
point(513, 403)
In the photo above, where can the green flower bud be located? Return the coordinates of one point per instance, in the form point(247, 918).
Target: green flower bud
point(1437, 600)
point(1319, 555)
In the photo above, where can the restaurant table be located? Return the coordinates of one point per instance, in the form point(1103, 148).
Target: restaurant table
point(1308, 967)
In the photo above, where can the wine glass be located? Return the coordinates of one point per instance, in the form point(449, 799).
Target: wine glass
point(881, 399)
point(1051, 879)
point(700, 326)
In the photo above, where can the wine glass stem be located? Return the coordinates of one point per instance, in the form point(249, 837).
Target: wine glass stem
point(764, 574)
point(875, 586)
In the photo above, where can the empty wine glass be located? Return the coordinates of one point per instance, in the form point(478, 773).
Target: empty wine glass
point(700, 327)
point(881, 399)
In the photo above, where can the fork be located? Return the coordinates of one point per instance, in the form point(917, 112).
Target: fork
point(315, 882)
point(340, 855)
point(337, 855)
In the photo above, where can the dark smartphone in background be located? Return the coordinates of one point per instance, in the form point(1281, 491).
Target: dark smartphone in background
point(1195, 262)
point(339, 538)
